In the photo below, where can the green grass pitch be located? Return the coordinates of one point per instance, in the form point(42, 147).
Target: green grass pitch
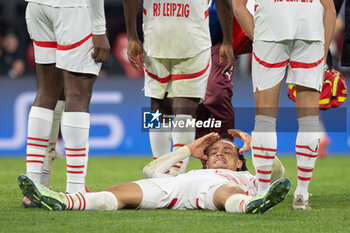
point(330, 202)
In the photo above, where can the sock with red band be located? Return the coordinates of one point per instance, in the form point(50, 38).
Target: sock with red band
point(160, 140)
point(306, 148)
point(39, 128)
point(237, 203)
point(264, 144)
point(182, 136)
point(90, 201)
point(75, 132)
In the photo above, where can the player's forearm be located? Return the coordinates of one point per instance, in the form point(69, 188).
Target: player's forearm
point(130, 13)
point(224, 10)
point(98, 19)
point(329, 19)
point(158, 167)
point(244, 17)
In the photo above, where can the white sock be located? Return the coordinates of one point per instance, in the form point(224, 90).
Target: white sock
point(160, 141)
point(306, 148)
point(237, 203)
point(264, 144)
point(90, 201)
point(75, 132)
point(39, 128)
point(51, 150)
point(182, 136)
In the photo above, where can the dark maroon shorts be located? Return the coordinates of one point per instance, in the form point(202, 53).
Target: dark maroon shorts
point(217, 103)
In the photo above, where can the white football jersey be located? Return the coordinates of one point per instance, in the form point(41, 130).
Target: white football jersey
point(175, 29)
point(61, 3)
point(244, 179)
point(277, 20)
point(202, 179)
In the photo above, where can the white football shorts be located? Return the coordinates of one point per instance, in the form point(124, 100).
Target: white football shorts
point(304, 60)
point(183, 194)
point(179, 77)
point(62, 35)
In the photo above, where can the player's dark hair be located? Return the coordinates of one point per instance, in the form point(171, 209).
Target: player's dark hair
point(240, 155)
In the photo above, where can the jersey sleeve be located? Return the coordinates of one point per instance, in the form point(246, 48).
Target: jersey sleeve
point(97, 14)
point(158, 167)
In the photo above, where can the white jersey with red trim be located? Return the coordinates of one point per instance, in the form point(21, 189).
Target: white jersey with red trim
point(62, 3)
point(208, 177)
point(175, 29)
point(277, 20)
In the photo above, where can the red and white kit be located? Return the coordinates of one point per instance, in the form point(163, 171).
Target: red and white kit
point(61, 31)
point(192, 190)
point(177, 48)
point(296, 40)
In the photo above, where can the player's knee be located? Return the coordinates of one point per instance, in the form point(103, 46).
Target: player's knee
point(77, 99)
point(46, 100)
point(224, 192)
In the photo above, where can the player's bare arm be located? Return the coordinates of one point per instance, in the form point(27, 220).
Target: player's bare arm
point(329, 19)
point(246, 138)
point(134, 46)
point(244, 17)
point(99, 38)
point(225, 17)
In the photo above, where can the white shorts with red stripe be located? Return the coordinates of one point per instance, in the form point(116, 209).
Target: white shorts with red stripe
point(184, 194)
point(62, 35)
point(304, 60)
point(179, 77)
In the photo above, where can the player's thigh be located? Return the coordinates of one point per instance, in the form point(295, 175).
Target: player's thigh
point(307, 64)
point(209, 195)
point(157, 76)
point(128, 195)
point(189, 76)
point(41, 31)
point(153, 197)
point(269, 64)
point(73, 31)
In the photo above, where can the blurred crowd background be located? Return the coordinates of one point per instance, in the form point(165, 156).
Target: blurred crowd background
point(17, 55)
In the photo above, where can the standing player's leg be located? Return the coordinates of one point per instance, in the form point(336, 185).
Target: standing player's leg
point(184, 109)
point(40, 120)
point(160, 139)
point(268, 68)
point(157, 76)
point(264, 138)
point(75, 127)
point(307, 74)
point(50, 86)
point(307, 142)
point(76, 45)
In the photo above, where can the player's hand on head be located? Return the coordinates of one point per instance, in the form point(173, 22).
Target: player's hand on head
point(198, 146)
point(246, 138)
point(226, 52)
point(101, 48)
point(135, 50)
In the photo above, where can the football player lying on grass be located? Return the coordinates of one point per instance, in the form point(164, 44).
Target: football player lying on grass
point(224, 185)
